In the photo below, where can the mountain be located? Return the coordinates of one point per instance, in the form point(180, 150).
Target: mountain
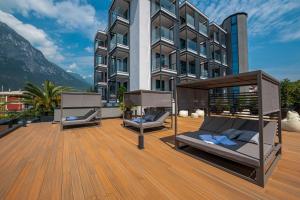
point(21, 62)
point(85, 79)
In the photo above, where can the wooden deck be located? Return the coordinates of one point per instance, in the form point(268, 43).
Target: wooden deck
point(40, 162)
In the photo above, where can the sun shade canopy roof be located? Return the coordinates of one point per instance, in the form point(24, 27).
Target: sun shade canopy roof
point(148, 98)
point(243, 79)
point(81, 100)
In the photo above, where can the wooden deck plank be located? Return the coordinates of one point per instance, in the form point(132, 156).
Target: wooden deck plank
point(41, 162)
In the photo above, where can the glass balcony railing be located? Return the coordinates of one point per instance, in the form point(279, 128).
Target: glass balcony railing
point(188, 70)
point(119, 67)
point(191, 45)
point(203, 50)
point(118, 13)
point(204, 74)
point(118, 39)
point(224, 59)
point(190, 20)
point(101, 60)
point(222, 41)
point(101, 78)
point(217, 58)
point(168, 67)
point(203, 29)
point(163, 33)
point(100, 43)
point(215, 38)
point(167, 5)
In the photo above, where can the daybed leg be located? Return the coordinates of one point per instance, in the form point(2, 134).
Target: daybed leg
point(141, 142)
point(176, 145)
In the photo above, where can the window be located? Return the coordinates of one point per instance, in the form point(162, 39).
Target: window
point(160, 85)
point(234, 46)
point(157, 84)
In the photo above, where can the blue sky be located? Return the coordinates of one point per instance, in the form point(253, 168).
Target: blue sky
point(64, 30)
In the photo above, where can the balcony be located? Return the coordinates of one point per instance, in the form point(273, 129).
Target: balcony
point(120, 15)
point(119, 40)
point(217, 58)
point(214, 37)
point(164, 34)
point(203, 29)
point(203, 50)
point(101, 62)
point(171, 68)
point(190, 21)
point(119, 67)
point(224, 59)
point(222, 41)
point(188, 70)
point(167, 6)
point(190, 46)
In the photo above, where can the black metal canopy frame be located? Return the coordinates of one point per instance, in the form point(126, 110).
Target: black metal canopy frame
point(199, 94)
point(147, 98)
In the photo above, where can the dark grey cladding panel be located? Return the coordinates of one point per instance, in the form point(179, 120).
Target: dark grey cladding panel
point(270, 97)
point(189, 98)
point(80, 100)
point(148, 98)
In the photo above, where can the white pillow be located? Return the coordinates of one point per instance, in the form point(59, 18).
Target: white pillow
point(292, 115)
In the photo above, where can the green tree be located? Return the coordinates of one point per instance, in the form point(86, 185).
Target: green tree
point(43, 99)
point(120, 97)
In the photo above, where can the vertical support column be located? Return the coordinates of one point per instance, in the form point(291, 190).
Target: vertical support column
point(176, 123)
point(141, 136)
point(177, 44)
point(61, 112)
point(260, 173)
point(279, 119)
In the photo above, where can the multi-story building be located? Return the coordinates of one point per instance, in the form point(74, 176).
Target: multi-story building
point(11, 101)
point(100, 64)
point(152, 44)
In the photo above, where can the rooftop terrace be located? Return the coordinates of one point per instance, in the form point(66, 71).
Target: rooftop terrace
point(41, 162)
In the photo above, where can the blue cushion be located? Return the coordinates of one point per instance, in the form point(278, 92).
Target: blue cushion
point(249, 136)
point(149, 118)
point(71, 118)
point(220, 139)
point(138, 120)
point(232, 133)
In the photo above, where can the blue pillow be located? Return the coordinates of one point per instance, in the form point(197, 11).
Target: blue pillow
point(149, 118)
point(71, 118)
point(249, 136)
point(139, 120)
point(232, 133)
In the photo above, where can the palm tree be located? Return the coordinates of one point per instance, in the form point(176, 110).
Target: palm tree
point(43, 99)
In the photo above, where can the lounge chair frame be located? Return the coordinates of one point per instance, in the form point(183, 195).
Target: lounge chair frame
point(268, 98)
point(147, 98)
point(80, 100)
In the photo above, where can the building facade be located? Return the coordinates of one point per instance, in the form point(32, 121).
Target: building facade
point(11, 101)
point(152, 44)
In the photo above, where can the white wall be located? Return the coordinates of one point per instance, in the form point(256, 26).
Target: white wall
point(140, 51)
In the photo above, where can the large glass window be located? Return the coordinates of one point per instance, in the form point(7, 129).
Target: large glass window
point(234, 46)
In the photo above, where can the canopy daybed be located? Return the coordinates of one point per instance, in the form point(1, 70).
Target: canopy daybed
point(252, 138)
point(148, 119)
point(90, 102)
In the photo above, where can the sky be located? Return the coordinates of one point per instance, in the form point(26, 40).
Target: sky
point(64, 30)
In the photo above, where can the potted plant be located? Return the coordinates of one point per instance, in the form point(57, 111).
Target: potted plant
point(43, 99)
point(125, 109)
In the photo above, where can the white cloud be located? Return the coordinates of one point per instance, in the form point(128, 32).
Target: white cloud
point(37, 37)
point(89, 49)
point(72, 66)
point(264, 17)
point(71, 14)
